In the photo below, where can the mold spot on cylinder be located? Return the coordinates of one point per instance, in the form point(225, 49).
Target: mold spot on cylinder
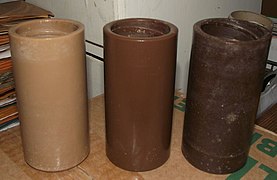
point(231, 118)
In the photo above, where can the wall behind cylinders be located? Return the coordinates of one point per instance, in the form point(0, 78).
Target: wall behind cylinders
point(95, 13)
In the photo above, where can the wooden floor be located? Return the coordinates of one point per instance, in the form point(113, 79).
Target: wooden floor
point(268, 120)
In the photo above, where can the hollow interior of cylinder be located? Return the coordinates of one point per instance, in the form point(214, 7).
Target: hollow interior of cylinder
point(227, 31)
point(46, 29)
point(140, 28)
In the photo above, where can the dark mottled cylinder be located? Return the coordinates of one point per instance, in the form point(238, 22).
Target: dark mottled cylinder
point(225, 78)
point(140, 60)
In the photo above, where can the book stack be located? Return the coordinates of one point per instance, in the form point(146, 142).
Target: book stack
point(12, 13)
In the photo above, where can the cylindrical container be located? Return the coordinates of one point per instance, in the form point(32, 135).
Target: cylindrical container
point(225, 80)
point(262, 21)
point(252, 17)
point(50, 77)
point(140, 60)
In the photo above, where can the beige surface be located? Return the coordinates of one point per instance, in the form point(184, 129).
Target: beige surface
point(97, 166)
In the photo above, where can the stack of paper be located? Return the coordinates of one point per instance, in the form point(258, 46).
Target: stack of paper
point(8, 111)
point(12, 13)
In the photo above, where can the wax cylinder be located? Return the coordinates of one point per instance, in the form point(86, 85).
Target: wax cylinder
point(140, 60)
point(226, 72)
point(50, 77)
point(252, 17)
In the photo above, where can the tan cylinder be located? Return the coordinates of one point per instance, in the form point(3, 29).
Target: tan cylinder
point(50, 76)
point(252, 17)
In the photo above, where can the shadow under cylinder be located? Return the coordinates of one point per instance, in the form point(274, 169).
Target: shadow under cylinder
point(50, 77)
point(226, 72)
point(140, 60)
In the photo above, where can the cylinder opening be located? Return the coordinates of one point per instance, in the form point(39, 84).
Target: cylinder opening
point(46, 29)
point(245, 15)
point(227, 31)
point(252, 17)
point(140, 28)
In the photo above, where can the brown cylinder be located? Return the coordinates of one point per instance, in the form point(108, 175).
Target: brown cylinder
point(225, 80)
point(140, 60)
point(50, 76)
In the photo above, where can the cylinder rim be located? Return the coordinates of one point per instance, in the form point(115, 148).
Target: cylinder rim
point(173, 30)
point(236, 24)
point(252, 17)
point(13, 31)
